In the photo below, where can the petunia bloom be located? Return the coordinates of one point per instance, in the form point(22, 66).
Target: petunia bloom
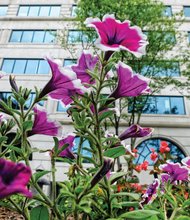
point(173, 172)
point(106, 167)
point(186, 161)
point(129, 84)
point(67, 152)
point(63, 84)
point(151, 192)
point(14, 178)
point(135, 131)
point(115, 35)
point(164, 148)
point(42, 125)
point(86, 62)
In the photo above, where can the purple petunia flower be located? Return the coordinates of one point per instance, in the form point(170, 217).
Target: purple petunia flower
point(106, 167)
point(67, 153)
point(14, 178)
point(129, 84)
point(63, 84)
point(42, 125)
point(151, 192)
point(115, 35)
point(186, 161)
point(86, 62)
point(173, 172)
point(135, 131)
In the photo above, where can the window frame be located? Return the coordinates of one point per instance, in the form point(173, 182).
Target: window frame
point(4, 6)
point(186, 7)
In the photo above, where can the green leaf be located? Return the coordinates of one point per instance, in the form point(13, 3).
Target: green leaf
point(105, 115)
point(135, 196)
point(56, 144)
point(39, 174)
point(139, 214)
point(115, 152)
point(154, 217)
point(186, 203)
point(129, 204)
point(27, 126)
point(183, 217)
point(116, 176)
point(39, 213)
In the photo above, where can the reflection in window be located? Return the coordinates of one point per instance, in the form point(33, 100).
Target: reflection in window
point(25, 66)
point(73, 11)
point(77, 36)
point(144, 151)
point(157, 105)
point(186, 10)
point(162, 69)
point(39, 10)
point(5, 96)
point(68, 62)
point(168, 11)
point(61, 107)
point(3, 10)
point(32, 36)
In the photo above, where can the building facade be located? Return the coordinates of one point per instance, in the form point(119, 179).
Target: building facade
point(28, 34)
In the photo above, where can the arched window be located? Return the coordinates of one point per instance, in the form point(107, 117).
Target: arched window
point(144, 150)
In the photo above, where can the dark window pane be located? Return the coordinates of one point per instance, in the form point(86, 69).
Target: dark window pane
point(43, 67)
point(49, 37)
point(27, 36)
point(186, 10)
point(68, 62)
point(75, 36)
point(8, 65)
point(44, 11)
point(33, 11)
point(23, 11)
point(177, 105)
point(3, 10)
point(32, 66)
point(38, 37)
point(19, 66)
point(55, 11)
point(16, 36)
point(168, 11)
point(163, 105)
point(150, 106)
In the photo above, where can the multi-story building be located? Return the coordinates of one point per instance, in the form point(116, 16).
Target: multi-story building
point(27, 35)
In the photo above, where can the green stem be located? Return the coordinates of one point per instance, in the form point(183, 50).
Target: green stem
point(53, 170)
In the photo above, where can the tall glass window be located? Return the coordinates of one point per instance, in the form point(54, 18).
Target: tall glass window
point(173, 105)
point(145, 150)
point(39, 10)
point(168, 11)
point(32, 36)
point(25, 66)
point(77, 36)
point(3, 10)
point(61, 107)
point(68, 62)
point(73, 10)
point(189, 36)
point(186, 11)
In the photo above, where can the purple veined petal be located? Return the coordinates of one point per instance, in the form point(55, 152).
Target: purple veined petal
point(175, 171)
point(14, 178)
point(129, 84)
point(42, 125)
point(63, 84)
point(115, 35)
point(67, 153)
point(135, 131)
point(186, 161)
point(86, 62)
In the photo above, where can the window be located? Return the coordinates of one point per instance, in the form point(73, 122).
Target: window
point(162, 69)
point(61, 107)
point(5, 96)
point(68, 62)
point(32, 36)
point(189, 37)
point(144, 150)
point(74, 10)
point(39, 10)
point(77, 36)
point(173, 105)
point(168, 11)
point(25, 66)
point(186, 10)
point(3, 10)
point(167, 37)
